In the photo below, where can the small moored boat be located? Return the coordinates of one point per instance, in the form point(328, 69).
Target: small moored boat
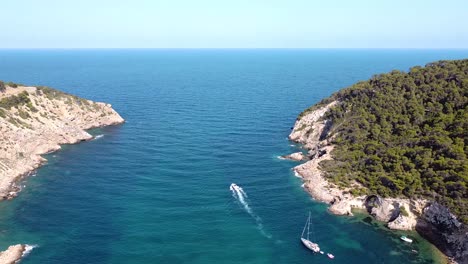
point(330, 255)
point(408, 240)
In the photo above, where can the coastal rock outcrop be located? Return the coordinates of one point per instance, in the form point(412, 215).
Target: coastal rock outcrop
point(35, 121)
point(311, 131)
point(297, 156)
point(444, 230)
point(12, 255)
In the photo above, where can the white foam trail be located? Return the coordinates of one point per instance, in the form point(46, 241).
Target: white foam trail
point(242, 191)
point(241, 195)
point(28, 249)
point(98, 137)
point(297, 174)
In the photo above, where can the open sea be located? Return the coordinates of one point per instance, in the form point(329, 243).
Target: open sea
point(156, 189)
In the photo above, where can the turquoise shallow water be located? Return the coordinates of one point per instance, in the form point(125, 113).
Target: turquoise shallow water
point(156, 189)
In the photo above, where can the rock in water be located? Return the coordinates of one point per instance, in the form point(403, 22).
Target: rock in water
point(297, 156)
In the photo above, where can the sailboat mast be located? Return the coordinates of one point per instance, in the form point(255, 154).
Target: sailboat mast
point(303, 230)
point(308, 226)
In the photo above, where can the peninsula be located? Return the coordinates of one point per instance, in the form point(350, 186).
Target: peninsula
point(395, 145)
point(36, 121)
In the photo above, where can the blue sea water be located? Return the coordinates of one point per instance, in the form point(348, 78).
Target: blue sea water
point(156, 189)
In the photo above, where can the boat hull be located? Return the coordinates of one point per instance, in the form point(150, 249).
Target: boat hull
point(310, 245)
point(407, 240)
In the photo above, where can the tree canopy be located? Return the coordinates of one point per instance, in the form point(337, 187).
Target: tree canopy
point(405, 134)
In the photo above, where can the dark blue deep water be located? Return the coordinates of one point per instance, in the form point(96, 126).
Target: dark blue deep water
point(156, 189)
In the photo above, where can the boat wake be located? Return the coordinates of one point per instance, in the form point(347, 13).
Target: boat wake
point(98, 137)
point(241, 196)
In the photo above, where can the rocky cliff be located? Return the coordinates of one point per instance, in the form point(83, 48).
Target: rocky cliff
point(35, 121)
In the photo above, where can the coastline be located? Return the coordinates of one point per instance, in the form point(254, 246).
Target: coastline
point(55, 121)
point(12, 254)
point(39, 122)
point(312, 132)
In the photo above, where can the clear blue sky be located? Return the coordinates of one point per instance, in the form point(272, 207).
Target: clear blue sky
point(234, 24)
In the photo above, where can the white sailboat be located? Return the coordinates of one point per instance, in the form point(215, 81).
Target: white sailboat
point(306, 241)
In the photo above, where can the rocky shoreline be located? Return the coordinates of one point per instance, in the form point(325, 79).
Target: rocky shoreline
point(429, 219)
point(12, 254)
point(36, 121)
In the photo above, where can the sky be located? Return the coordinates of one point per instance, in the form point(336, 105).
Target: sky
point(234, 24)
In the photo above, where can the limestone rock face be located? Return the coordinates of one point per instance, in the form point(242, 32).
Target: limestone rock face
point(443, 229)
point(387, 211)
point(309, 129)
point(12, 255)
point(35, 121)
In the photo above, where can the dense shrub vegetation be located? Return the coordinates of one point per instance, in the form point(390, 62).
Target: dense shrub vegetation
point(405, 134)
point(3, 85)
point(15, 100)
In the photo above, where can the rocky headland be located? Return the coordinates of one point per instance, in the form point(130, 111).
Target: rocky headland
point(12, 254)
point(311, 131)
point(316, 130)
point(432, 220)
point(36, 121)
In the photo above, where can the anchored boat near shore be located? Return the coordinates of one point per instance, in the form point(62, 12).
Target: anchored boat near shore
point(306, 241)
point(406, 239)
point(309, 244)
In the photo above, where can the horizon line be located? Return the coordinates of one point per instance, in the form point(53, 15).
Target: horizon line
point(229, 48)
